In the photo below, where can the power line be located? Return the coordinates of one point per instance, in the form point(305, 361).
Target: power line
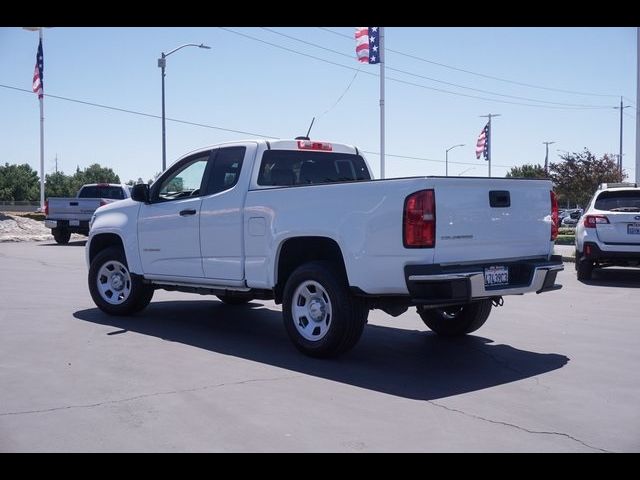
point(141, 113)
point(433, 160)
point(573, 92)
point(577, 107)
point(435, 79)
point(149, 115)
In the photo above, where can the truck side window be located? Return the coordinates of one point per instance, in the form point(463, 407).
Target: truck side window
point(185, 181)
point(226, 169)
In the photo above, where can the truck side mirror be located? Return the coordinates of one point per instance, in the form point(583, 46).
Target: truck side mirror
point(140, 192)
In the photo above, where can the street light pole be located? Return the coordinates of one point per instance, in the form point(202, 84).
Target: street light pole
point(546, 156)
point(162, 63)
point(446, 158)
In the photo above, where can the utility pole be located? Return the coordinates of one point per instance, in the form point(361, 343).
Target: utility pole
point(489, 140)
point(56, 163)
point(621, 107)
point(546, 156)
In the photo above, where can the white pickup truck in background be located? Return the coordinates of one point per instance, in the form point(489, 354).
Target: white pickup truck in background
point(303, 223)
point(65, 216)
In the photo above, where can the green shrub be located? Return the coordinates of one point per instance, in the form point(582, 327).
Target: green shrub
point(566, 240)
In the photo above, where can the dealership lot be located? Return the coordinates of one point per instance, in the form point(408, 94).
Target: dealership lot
point(551, 373)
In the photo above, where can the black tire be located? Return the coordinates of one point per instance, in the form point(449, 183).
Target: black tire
point(139, 294)
point(348, 315)
point(584, 267)
point(61, 236)
point(456, 320)
point(233, 300)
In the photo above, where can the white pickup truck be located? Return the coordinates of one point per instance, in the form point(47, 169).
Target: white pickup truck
point(303, 223)
point(67, 215)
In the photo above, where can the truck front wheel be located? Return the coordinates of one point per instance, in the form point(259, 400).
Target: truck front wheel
point(456, 320)
point(320, 315)
point(113, 288)
point(61, 235)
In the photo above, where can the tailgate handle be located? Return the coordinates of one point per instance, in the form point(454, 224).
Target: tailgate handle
point(499, 198)
point(73, 204)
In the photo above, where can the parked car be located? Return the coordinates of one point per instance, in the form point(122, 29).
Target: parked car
point(303, 223)
point(571, 218)
point(609, 231)
point(65, 216)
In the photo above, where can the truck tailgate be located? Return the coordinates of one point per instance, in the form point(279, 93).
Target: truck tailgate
point(480, 219)
point(72, 208)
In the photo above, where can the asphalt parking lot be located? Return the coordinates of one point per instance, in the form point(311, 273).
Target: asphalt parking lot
point(547, 373)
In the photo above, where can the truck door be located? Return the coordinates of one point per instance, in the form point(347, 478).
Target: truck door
point(221, 220)
point(169, 226)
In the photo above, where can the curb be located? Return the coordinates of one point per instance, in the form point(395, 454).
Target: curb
point(569, 259)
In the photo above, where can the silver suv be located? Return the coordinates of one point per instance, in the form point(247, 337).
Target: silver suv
point(608, 234)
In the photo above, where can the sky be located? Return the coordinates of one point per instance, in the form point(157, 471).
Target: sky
point(552, 84)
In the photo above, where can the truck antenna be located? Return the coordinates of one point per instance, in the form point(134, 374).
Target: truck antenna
point(306, 137)
point(309, 131)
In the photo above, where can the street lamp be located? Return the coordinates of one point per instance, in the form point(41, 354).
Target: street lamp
point(162, 63)
point(446, 156)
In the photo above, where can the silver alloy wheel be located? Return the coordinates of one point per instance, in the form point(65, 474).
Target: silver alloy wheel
point(311, 310)
point(114, 282)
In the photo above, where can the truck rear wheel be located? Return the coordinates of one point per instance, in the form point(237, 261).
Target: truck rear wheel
point(113, 288)
point(320, 315)
point(456, 320)
point(61, 236)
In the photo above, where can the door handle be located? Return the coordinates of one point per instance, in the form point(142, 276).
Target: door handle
point(189, 211)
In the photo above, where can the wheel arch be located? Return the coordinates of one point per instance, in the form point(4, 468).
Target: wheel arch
point(105, 240)
point(296, 251)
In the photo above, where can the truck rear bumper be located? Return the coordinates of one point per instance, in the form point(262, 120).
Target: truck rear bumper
point(445, 284)
point(74, 226)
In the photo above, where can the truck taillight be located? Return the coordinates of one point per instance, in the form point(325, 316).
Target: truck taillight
point(310, 145)
point(419, 220)
point(46, 207)
point(590, 221)
point(554, 216)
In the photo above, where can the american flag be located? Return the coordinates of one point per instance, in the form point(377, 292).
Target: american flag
point(38, 73)
point(368, 44)
point(482, 145)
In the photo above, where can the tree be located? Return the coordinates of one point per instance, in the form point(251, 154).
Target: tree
point(58, 185)
point(19, 182)
point(527, 171)
point(577, 177)
point(93, 174)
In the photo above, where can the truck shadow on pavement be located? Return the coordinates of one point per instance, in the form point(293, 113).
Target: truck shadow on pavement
point(72, 243)
point(406, 363)
point(614, 277)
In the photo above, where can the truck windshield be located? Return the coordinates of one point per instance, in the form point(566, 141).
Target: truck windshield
point(292, 167)
point(99, 191)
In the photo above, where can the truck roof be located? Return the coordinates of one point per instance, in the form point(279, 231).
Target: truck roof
point(286, 144)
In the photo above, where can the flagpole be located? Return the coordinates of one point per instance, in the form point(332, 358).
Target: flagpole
point(41, 99)
point(489, 139)
point(382, 102)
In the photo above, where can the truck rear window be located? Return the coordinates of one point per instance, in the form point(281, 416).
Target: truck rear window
point(115, 193)
point(290, 167)
point(622, 200)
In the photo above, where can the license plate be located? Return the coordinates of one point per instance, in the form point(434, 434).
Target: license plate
point(633, 229)
point(498, 275)
point(74, 223)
